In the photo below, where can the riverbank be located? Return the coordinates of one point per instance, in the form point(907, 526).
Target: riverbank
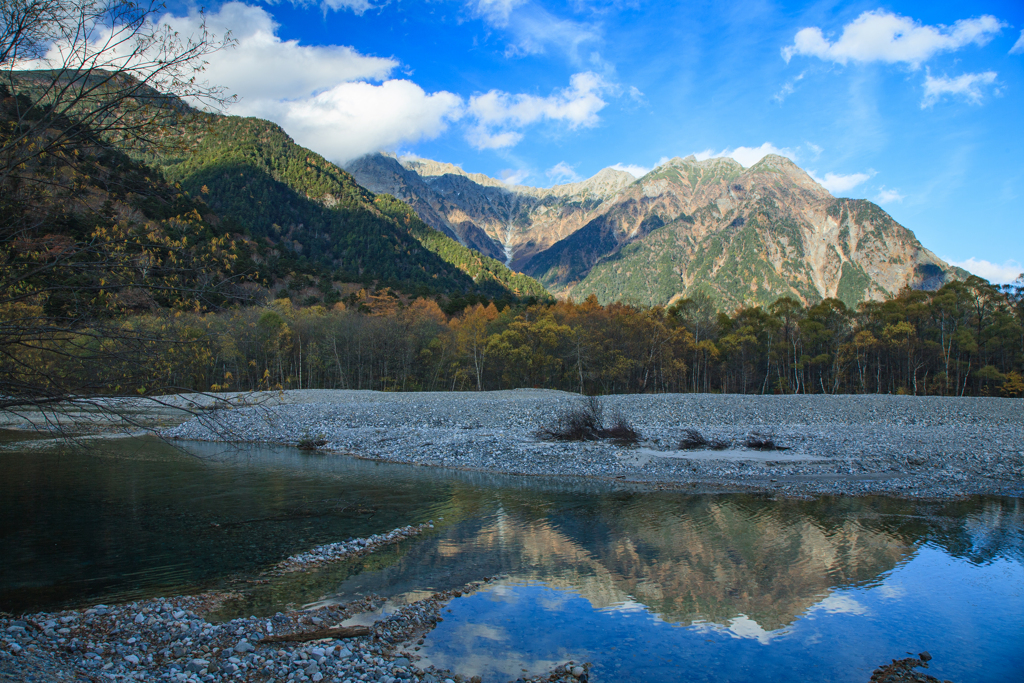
point(178, 639)
point(919, 447)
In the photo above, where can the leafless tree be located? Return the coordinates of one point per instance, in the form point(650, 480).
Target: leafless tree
point(79, 79)
point(107, 68)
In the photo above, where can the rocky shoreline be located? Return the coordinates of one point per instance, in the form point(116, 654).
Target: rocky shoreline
point(917, 447)
point(174, 639)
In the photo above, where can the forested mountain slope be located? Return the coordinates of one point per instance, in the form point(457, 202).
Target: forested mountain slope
point(259, 181)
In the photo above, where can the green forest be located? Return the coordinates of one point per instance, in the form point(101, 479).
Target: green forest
point(966, 339)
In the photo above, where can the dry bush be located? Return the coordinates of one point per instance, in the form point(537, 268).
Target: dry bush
point(584, 421)
point(693, 440)
point(759, 441)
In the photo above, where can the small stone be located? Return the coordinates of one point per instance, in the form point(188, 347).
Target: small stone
point(132, 659)
point(925, 657)
point(244, 646)
point(196, 665)
point(577, 671)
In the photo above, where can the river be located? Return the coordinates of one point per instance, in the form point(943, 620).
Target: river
point(646, 585)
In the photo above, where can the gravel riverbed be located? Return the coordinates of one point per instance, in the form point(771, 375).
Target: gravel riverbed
point(931, 447)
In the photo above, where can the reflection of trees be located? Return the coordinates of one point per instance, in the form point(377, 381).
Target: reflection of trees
point(713, 558)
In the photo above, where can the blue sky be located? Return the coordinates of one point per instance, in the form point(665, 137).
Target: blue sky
point(915, 105)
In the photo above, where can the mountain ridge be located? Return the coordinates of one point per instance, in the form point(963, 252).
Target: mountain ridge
point(745, 235)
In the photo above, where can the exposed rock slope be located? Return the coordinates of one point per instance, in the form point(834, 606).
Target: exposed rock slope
point(747, 236)
point(513, 221)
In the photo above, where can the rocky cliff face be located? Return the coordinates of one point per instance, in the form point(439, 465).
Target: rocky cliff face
point(747, 236)
point(513, 221)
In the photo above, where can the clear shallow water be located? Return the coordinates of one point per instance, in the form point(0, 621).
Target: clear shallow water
point(647, 586)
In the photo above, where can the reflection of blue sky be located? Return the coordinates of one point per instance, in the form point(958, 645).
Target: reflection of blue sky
point(968, 616)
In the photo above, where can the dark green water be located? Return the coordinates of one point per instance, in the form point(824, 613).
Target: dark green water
point(647, 586)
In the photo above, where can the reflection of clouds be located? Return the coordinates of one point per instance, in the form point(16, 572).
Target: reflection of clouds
point(887, 592)
point(745, 627)
point(838, 603)
point(626, 606)
point(501, 593)
point(482, 631)
point(741, 627)
point(554, 601)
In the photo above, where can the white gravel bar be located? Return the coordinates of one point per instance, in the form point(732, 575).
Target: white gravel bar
point(906, 446)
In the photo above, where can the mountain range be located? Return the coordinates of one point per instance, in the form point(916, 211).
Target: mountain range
point(745, 236)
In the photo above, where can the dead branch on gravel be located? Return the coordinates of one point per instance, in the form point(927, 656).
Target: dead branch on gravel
point(759, 441)
point(693, 440)
point(621, 431)
point(578, 422)
point(584, 421)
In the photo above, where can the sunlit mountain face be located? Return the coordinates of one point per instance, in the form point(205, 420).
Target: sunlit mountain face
point(747, 235)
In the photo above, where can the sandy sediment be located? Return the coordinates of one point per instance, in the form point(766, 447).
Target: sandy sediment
point(934, 447)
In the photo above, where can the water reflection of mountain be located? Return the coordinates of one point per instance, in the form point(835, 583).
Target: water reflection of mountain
point(709, 559)
point(696, 558)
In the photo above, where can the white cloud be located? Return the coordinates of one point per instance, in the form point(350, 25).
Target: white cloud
point(1018, 47)
point(837, 183)
point(498, 114)
point(495, 12)
point(787, 89)
point(479, 138)
point(995, 273)
point(510, 177)
point(327, 99)
point(634, 170)
point(967, 86)
point(562, 173)
point(357, 6)
point(533, 29)
point(748, 156)
point(887, 196)
point(880, 36)
point(353, 119)
point(816, 149)
point(264, 66)
point(319, 94)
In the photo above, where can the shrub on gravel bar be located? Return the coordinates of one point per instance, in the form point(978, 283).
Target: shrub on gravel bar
point(692, 440)
point(584, 421)
point(762, 442)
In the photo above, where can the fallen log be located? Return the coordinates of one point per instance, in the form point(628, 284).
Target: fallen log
point(336, 633)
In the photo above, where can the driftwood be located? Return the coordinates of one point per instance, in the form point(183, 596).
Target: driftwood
point(336, 633)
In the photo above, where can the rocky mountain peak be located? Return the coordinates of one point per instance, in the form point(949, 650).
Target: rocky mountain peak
point(603, 184)
point(775, 164)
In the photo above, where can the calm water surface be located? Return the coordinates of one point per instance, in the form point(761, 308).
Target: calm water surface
point(647, 586)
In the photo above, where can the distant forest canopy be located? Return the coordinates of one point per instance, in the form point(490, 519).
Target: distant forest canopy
point(966, 339)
